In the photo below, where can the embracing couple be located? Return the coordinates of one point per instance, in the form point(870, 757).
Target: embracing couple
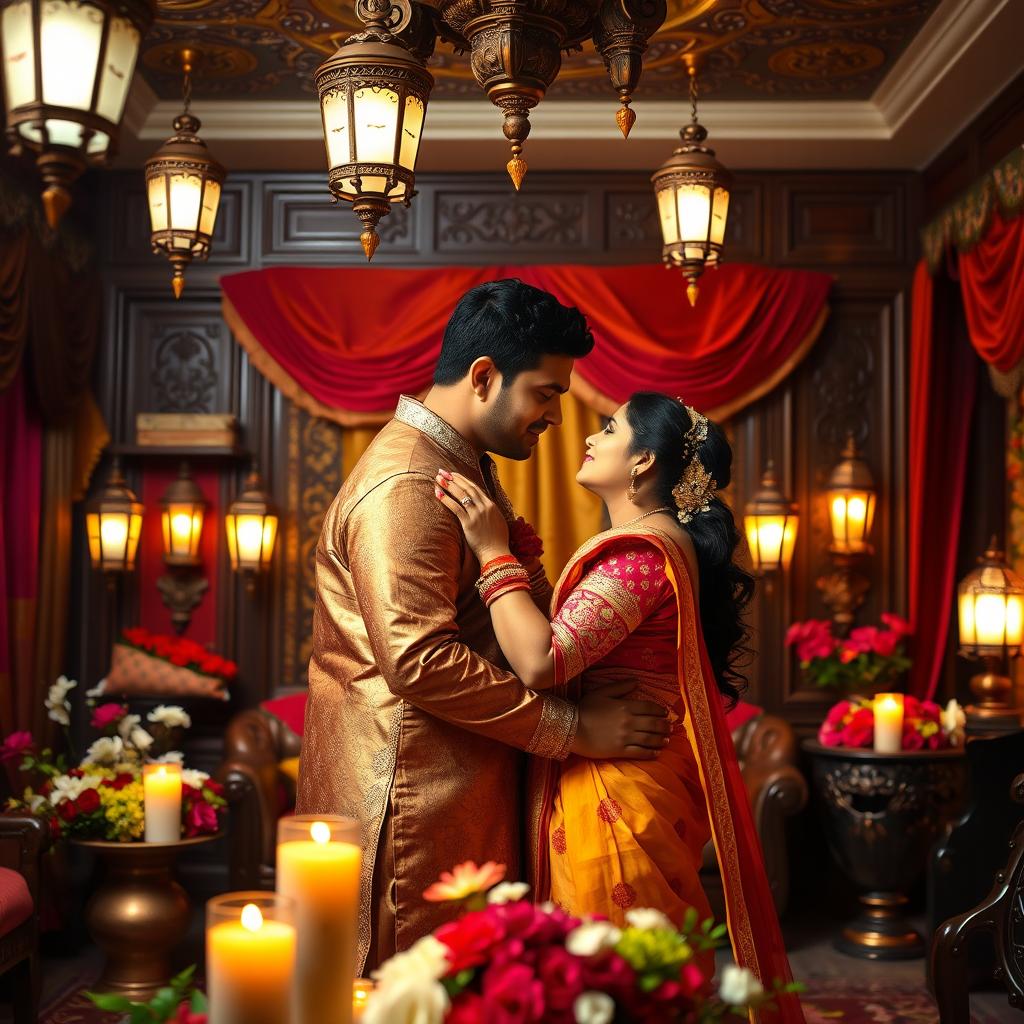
point(441, 652)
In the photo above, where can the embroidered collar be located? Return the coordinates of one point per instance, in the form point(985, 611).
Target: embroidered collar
point(415, 414)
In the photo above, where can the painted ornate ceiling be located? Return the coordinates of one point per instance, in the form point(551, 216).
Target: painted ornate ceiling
point(748, 49)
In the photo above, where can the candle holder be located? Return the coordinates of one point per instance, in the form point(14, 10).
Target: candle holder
point(161, 788)
point(319, 860)
point(250, 957)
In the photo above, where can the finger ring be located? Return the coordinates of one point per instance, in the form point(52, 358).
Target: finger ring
point(466, 501)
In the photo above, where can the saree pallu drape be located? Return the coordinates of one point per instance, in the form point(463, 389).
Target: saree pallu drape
point(346, 343)
point(750, 912)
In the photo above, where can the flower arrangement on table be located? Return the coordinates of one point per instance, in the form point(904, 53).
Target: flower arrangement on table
point(926, 726)
point(154, 664)
point(102, 796)
point(507, 959)
point(870, 658)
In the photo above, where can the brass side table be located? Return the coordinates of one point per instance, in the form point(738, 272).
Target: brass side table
point(882, 813)
point(139, 913)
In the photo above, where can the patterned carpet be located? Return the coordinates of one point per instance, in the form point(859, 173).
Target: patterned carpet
point(826, 1002)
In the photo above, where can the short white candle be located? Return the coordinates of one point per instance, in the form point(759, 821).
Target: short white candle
point(888, 723)
point(161, 787)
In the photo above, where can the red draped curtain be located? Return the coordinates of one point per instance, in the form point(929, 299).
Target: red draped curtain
point(345, 343)
point(982, 285)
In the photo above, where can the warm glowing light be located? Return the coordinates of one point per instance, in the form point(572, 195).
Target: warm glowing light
point(252, 919)
point(888, 723)
point(320, 832)
point(113, 535)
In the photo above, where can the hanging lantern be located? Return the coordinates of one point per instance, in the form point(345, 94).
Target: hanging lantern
point(373, 100)
point(67, 68)
point(183, 186)
point(771, 522)
point(851, 501)
point(692, 190)
point(251, 524)
point(184, 508)
point(113, 525)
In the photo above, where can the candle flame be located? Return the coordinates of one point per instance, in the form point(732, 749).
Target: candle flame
point(161, 772)
point(321, 832)
point(252, 919)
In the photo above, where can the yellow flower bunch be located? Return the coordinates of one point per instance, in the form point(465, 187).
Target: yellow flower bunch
point(123, 810)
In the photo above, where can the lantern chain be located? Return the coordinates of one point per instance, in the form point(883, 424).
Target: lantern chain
point(186, 89)
point(693, 94)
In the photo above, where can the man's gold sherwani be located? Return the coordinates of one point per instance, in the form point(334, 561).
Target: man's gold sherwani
point(410, 726)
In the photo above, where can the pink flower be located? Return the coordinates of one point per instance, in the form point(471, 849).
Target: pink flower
point(813, 639)
point(468, 1008)
point(16, 746)
point(186, 1016)
point(886, 642)
point(107, 715)
point(464, 880)
point(912, 739)
point(899, 626)
point(860, 731)
point(201, 818)
point(471, 939)
point(512, 994)
point(862, 640)
point(561, 973)
point(609, 973)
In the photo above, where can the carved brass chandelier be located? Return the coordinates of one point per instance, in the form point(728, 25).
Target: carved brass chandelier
point(374, 90)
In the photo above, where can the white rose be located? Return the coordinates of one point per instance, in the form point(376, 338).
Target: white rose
point(738, 985)
point(408, 1000)
point(61, 688)
point(58, 707)
point(105, 750)
point(426, 958)
point(507, 892)
point(98, 690)
point(171, 716)
point(594, 1008)
point(67, 787)
point(953, 720)
point(125, 726)
point(591, 938)
point(647, 919)
point(171, 757)
point(59, 714)
point(140, 739)
point(192, 777)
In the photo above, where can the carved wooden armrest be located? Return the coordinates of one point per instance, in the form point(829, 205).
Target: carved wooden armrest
point(27, 838)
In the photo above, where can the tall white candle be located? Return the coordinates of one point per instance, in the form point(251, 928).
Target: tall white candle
point(318, 865)
point(888, 723)
point(161, 787)
point(250, 958)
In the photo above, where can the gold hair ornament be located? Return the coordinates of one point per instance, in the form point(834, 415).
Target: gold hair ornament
point(697, 487)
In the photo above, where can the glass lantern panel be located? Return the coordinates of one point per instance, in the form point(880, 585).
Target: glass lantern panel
point(98, 144)
point(788, 541)
point(32, 132)
point(19, 54)
point(719, 213)
point(412, 129)
point(694, 205)
point(769, 532)
point(156, 190)
point(991, 619)
point(269, 537)
point(114, 530)
point(211, 201)
point(118, 66)
point(92, 530)
point(186, 191)
point(248, 531)
point(64, 133)
point(229, 527)
point(70, 50)
point(334, 109)
point(398, 192)
point(667, 212)
point(373, 184)
point(968, 634)
point(376, 122)
point(1014, 620)
point(134, 532)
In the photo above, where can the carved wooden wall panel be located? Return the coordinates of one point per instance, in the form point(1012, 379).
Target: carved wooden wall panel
point(162, 354)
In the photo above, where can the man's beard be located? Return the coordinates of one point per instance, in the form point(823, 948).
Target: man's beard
point(502, 433)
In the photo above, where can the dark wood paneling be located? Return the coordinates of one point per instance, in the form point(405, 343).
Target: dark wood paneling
point(842, 225)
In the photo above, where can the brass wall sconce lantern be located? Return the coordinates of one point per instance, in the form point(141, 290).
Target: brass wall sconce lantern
point(770, 520)
point(113, 525)
point(184, 509)
point(251, 524)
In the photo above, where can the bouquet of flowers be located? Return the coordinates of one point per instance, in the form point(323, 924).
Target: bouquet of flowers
point(926, 726)
point(509, 960)
point(102, 797)
point(180, 651)
point(870, 656)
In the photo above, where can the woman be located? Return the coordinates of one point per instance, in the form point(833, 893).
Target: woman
point(618, 834)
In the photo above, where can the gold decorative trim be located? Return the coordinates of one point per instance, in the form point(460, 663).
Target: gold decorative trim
point(556, 729)
point(413, 413)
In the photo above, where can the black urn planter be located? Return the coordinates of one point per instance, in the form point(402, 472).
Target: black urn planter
point(882, 813)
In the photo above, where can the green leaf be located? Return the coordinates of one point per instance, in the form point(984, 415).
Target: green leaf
point(183, 979)
point(718, 931)
point(165, 1003)
point(110, 1002)
point(140, 1014)
point(198, 1003)
point(689, 920)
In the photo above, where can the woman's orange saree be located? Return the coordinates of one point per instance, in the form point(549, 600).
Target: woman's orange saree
point(643, 846)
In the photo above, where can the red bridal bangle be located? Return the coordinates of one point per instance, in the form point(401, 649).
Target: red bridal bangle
point(495, 562)
point(500, 591)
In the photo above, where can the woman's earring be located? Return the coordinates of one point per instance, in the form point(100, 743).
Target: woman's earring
point(631, 491)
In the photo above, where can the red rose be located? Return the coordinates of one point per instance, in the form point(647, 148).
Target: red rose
point(201, 817)
point(186, 1016)
point(561, 974)
point(609, 973)
point(512, 994)
point(912, 739)
point(860, 730)
point(120, 781)
point(67, 810)
point(107, 715)
point(899, 626)
point(88, 802)
point(76, 773)
point(467, 1008)
point(523, 541)
point(885, 643)
point(862, 640)
point(816, 640)
point(179, 659)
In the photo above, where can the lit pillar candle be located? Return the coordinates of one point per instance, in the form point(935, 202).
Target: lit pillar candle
point(318, 863)
point(250, 958)
point(361, 990)
point(888, 723)
point(161, 786)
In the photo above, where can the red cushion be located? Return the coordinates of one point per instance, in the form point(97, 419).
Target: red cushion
point(741, 714)
point(291, 710)
point(15, 901)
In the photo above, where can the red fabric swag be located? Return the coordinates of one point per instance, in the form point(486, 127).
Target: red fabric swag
point(992, 284)
point(345, 343)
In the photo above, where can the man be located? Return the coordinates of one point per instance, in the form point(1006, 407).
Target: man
point(411, 727)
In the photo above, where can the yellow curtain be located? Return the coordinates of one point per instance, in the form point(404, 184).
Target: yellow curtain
point(543, 489)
